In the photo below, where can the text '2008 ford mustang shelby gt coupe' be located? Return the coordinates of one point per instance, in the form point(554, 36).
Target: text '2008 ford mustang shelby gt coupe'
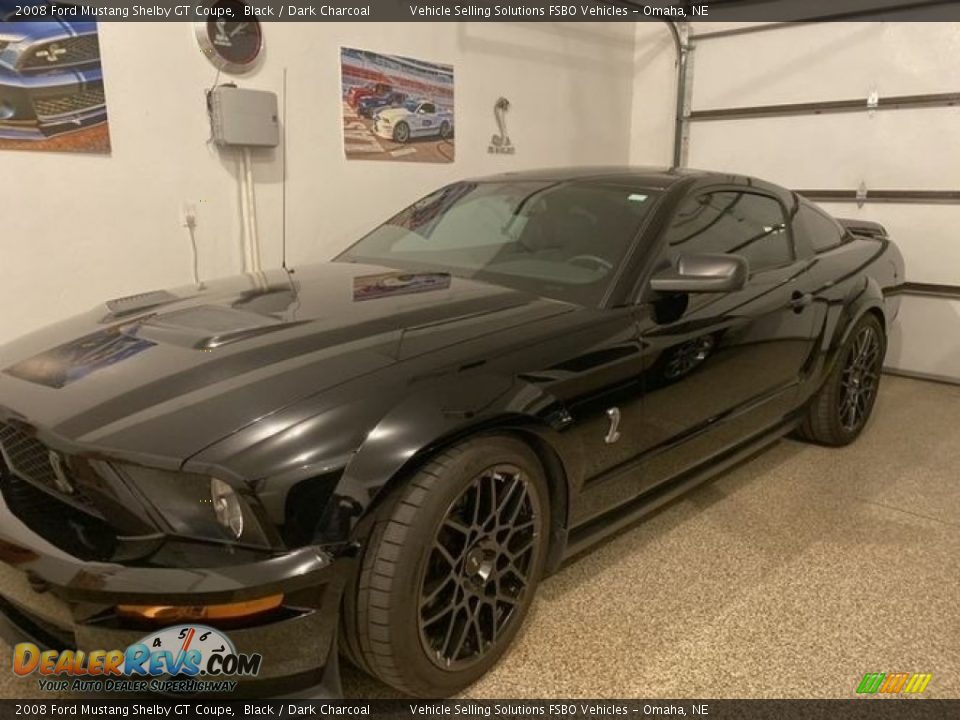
point(383, 455)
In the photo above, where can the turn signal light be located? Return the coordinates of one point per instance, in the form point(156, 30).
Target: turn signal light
point(176, 613)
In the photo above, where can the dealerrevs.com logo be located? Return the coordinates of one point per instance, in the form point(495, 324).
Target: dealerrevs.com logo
point(184, 658)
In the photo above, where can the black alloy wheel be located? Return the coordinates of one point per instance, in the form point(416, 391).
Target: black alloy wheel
point(860, 377)
point(841, 408)
point(450, 568)
point(479, 568)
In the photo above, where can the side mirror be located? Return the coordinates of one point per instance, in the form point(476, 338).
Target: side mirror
point(703, 274)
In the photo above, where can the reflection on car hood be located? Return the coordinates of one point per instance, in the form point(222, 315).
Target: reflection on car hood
point(394, 113)
point(169, 373)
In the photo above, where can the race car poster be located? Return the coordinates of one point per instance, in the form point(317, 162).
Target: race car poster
point(51, 82)
point(396, 108)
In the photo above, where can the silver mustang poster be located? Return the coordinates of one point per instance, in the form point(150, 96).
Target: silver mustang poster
point(396, 108)
point(51, 82)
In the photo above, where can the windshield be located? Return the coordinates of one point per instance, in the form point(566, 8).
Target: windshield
point(558, 240)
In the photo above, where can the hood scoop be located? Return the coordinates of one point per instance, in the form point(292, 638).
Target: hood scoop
point(206, 327)
point(133, 304)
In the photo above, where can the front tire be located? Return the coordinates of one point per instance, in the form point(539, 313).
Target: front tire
point(841, 408)
point(451, 568)
point(401, 133)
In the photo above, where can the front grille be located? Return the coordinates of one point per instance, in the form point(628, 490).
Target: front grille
point(68, 52)
point(30, 460)
point(70, 103)
point(26, 456)
point(83, 535)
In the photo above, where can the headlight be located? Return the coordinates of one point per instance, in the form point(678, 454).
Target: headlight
point(197, 505)
point(227, 507)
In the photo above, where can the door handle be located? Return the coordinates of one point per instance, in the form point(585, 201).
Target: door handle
point(800, 300)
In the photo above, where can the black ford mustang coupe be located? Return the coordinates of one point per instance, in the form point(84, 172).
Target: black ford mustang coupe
point(383, 455)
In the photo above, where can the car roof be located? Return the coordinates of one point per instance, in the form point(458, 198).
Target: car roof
point(651, 177)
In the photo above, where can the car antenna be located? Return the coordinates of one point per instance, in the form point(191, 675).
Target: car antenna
point(283, 179)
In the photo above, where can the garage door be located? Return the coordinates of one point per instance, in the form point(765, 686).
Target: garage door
point(863, 117)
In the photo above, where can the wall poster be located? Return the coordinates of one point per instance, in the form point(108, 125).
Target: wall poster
point(51, 81)
point(396, 108)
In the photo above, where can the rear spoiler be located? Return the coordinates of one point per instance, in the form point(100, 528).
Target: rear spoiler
point(865, 228)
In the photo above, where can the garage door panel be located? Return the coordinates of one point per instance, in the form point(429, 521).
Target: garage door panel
point(837, 150)
point(833, 61)
point(928, 236)
point(911, 149)
point(926, 338)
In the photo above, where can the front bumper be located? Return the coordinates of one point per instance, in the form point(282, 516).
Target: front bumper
point(57, 601)
point(35, 107)
point(384, 131)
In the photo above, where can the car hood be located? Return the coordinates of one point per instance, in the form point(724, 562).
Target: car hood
point(160, 376)
point(394, 114)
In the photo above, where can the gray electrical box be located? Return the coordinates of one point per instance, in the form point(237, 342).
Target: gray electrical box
point(244, 117)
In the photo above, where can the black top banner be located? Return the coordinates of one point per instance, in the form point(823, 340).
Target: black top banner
point(482, 10)
point(186, 709)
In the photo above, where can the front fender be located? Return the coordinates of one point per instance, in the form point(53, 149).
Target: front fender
point(318, 474)
point(424, 423)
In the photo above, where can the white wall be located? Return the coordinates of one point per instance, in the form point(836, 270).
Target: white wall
point(915, 149)
point(78, 229)
point(653, 113)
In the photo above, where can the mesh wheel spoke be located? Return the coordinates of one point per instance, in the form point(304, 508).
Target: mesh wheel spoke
point(449, 583)
point(459, 629)
point(455, 524)
point(515, 484)
point(480, 567)
point(446, 555)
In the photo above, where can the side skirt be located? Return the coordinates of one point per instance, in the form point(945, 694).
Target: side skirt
point(596, 529)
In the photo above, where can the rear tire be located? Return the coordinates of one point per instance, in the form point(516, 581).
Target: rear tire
point(841, 408)
point(451, 568)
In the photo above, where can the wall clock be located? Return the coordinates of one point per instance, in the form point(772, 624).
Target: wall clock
point(231, 45)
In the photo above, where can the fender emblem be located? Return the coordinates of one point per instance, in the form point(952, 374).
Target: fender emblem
point(613, 433)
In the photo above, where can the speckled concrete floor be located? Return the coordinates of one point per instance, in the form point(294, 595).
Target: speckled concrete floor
point(790, 576)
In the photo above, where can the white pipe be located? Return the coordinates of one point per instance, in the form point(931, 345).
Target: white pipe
point(244, 215)
point(253, 237)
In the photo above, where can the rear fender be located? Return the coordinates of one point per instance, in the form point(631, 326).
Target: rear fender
point(866, 296)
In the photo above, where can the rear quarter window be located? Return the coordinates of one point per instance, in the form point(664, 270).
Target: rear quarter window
point(822, 231)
